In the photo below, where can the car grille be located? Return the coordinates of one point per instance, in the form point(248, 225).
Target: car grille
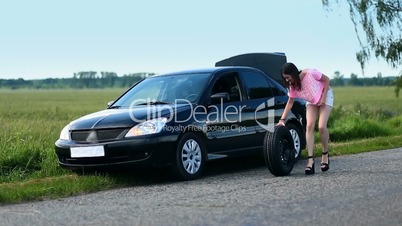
point(96, 135)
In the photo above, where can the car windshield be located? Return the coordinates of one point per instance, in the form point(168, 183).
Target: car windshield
point(164, 90)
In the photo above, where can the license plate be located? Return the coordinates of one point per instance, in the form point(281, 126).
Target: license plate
point(90, 151)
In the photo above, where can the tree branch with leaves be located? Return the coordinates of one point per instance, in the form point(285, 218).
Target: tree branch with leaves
point(378, 26)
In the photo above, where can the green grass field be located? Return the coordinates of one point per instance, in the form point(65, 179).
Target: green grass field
point(375, 99)
point(30, 123)
point(365, 112)
point(364, 119)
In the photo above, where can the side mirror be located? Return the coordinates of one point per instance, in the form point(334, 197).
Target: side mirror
point(217, 97)
point(110, 103)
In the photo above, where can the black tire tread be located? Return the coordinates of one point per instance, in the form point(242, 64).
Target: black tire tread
point(272, 156)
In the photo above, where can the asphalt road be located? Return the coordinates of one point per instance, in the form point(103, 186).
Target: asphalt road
point(363, 189)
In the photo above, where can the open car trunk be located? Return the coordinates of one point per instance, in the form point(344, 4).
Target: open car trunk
point(269, 63)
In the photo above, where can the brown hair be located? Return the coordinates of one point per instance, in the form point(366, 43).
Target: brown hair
point(291, 69)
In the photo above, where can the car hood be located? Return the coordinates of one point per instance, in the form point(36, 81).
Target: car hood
point(124, 118)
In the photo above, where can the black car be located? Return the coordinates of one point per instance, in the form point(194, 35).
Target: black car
point(182, 119)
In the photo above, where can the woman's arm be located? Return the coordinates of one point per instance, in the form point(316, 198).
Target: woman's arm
point(288, 107)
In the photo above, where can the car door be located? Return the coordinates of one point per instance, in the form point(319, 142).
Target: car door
point(261, 102)
point(226, 120)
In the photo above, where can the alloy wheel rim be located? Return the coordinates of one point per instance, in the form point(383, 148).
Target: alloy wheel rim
point(296, 141)
point(191, 156)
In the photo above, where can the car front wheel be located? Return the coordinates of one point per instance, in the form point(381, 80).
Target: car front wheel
point(190, 157)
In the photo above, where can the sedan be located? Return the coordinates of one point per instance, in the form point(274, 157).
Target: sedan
point(182, 120)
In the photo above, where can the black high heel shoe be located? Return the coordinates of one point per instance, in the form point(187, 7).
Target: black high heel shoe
point(325, 166)
point(310, 169)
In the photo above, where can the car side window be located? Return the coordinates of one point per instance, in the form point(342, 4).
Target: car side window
point(276, 90)
point(257, 85)
point(228, 86)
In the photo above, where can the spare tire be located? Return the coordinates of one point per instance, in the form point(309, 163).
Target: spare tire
point(279, 151)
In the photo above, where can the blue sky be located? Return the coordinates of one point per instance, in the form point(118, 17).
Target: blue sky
point(44, 38)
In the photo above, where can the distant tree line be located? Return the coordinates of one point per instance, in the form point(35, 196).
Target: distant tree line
point(91, 79)
point(80, 80)
point(339, 80)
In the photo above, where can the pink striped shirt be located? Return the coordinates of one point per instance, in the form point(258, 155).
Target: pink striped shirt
point(311, 87)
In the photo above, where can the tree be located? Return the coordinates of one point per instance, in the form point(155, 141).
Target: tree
point(378, 79)
point(354, 81)
point(378, 25)
point(108, 79)
point(337, 80)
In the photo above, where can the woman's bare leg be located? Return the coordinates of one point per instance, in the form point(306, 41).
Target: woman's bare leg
point(311, 115)
point(325, 111)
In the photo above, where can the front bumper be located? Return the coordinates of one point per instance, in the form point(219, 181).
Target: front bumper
point(147, 150)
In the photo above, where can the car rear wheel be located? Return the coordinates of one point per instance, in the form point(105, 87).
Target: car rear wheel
point(297, 139)
point(190, 157)
point(279, 151)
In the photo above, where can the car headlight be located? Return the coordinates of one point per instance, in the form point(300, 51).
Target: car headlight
point(65, 133)
point(147, 127)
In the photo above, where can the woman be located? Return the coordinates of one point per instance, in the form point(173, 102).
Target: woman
point(312, 86)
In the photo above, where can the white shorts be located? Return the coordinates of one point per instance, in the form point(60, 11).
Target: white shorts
point(329, 100)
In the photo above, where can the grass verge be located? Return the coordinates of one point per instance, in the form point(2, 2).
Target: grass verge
point(53, 188)
point(359, 146)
